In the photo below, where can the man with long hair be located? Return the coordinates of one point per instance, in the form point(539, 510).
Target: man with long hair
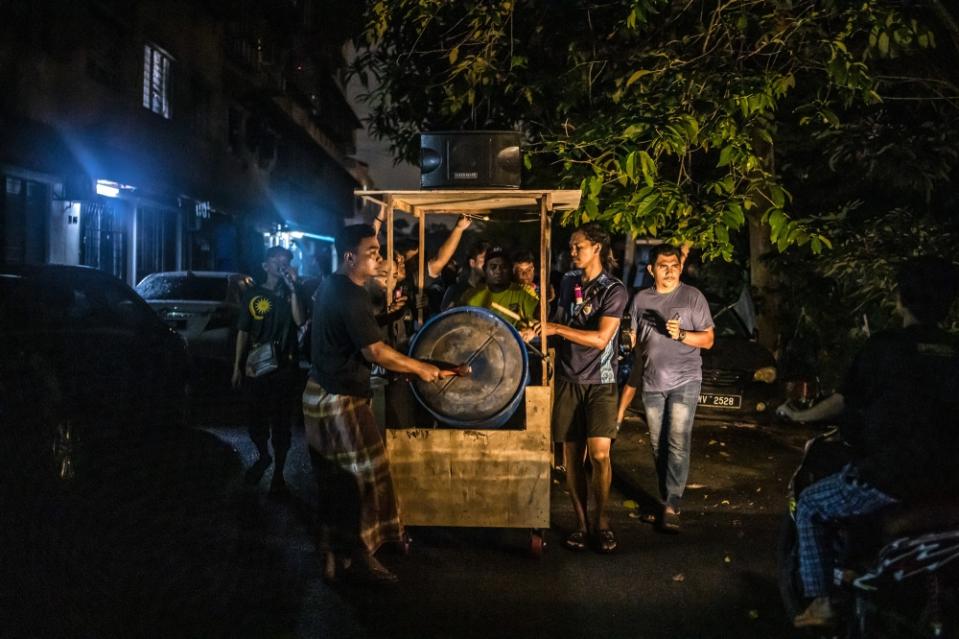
point(589, 311)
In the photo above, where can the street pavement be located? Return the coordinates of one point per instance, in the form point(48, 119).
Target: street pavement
point(716, 579)
point(258, 575)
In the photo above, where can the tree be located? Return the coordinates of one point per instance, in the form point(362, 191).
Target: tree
point(688, 120)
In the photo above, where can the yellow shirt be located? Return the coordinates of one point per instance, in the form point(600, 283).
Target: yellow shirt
point(515, 298)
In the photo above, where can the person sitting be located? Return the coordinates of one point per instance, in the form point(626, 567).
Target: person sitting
point(501, 295)
point(899, 401)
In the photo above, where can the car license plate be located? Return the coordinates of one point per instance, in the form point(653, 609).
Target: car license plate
point(715, 400)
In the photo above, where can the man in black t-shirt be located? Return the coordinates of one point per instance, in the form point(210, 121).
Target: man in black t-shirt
point(269, 315)
point(358, 509)
point(900, 401)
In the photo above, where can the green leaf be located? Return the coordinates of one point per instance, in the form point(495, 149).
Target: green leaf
point(725, 156)
point(454, 54)
point(737, 213)
point(648, 167)
point(636, 76)
point(646, 206)
point(777, 195)
point(631, 165)
point(527, 161)
point(883, 44)
point(595, 186)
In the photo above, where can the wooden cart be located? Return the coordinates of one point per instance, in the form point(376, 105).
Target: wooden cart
point(480, 478)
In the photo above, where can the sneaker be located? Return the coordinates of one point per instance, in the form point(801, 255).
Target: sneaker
point(255, 472)
point(818, 614)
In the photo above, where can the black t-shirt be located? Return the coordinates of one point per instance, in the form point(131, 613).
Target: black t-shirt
point(902, 403)
point(267, 315)
point(343, 324)
point(604, 296)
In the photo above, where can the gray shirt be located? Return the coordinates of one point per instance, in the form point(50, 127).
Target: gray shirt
point(668, 363)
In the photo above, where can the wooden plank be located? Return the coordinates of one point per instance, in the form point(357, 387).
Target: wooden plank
point(449, 477)
point(462, 200)
point(495, 478)
point(390, 266)
point(421, 266)
point(545, 211)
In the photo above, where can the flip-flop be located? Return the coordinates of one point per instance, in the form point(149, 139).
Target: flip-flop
point(605, 541)
point(576, 540)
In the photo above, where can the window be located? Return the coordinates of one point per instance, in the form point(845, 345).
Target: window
point(157, 69)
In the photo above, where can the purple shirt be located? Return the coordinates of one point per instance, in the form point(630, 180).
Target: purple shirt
point(668, 363)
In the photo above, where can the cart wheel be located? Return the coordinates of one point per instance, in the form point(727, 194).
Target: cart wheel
point(536, 543)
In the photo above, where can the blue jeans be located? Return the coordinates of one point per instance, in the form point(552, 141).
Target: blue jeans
point(676, 409)
point(820, 507)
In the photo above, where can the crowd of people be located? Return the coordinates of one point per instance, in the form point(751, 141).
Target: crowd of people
point(358, 330)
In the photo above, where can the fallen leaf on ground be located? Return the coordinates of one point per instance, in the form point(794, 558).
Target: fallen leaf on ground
point(723, 453)
point(679, 577)
point(754, 614)
point(727, 559)
point(712, 442)
point(724, 502)
point(759, 490)
point(633, 515)
point(695, 486)
point(629, 503)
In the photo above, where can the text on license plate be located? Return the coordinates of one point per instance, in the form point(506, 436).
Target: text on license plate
point(720, 401)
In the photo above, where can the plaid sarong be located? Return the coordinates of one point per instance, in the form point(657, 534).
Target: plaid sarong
point(357, 500)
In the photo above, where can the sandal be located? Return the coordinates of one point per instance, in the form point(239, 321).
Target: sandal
point(670, 521)
point(576, 540)
point(605, 541)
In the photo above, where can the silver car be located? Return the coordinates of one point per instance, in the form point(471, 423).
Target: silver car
point(202, 306)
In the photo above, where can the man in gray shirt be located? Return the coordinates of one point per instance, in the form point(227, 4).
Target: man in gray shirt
point(672, 322)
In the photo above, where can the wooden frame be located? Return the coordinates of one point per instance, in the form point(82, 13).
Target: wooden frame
point(477, 477)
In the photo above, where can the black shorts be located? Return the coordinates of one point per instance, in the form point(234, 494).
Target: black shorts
point(581, 411)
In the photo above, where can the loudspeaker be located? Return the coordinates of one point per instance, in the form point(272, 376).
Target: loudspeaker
point(470, 159)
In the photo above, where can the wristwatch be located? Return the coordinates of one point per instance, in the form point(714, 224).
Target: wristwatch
point(682, 335)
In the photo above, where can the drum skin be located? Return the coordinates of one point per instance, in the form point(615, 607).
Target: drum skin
point(499, 368)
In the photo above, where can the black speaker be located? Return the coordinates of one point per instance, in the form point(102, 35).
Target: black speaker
point(470, 159)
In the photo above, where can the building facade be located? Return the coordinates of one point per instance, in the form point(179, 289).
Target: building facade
point(147, 136)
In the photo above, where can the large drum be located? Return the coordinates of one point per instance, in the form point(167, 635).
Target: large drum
point(496, 355)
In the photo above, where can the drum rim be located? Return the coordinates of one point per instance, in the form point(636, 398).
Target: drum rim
point(479, 310)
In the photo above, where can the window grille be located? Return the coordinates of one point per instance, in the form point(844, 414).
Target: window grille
point(157, 71)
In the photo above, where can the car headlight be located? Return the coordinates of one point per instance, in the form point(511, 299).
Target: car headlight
point(765, 374)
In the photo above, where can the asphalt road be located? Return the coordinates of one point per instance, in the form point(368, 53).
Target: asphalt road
point(253, 571)
point(716, 579)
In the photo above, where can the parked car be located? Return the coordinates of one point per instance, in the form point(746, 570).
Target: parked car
point(739, 374)
point(84, 347)
point(101, 479)
point(202, 306)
